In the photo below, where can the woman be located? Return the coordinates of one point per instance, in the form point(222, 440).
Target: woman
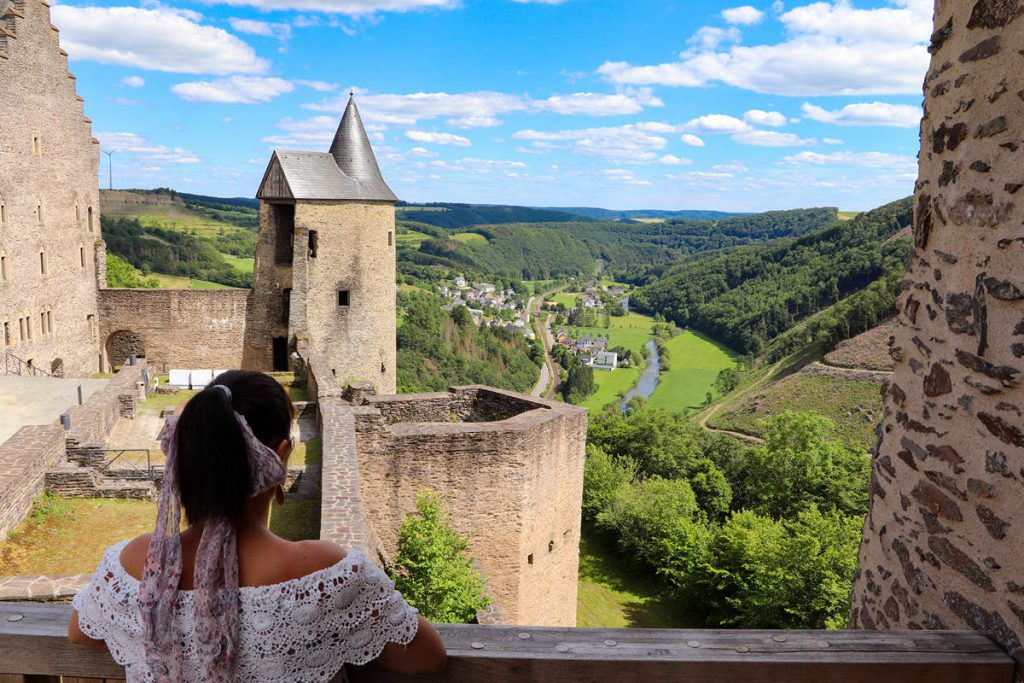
point(227, 600)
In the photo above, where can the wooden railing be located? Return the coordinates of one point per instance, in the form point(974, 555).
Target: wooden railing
point(34, 648)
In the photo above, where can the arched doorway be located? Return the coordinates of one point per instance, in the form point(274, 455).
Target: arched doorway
point(122, 345)
point(57, 367)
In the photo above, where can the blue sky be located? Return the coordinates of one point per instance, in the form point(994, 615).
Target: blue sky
point(620, 104)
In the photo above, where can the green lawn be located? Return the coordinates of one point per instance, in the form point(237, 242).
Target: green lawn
point(239, 263)
point(567, 299)
point(853, 404)
point(632, 331)
point(175, 282)
point(613, 594)
point(307, 453)
point(694, 361)
point(536, 286)
point(847, 215)
point(473, 238)
point(610, 386)
point(412, 239)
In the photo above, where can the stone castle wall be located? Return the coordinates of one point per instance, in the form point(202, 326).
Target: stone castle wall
point(513, 488)
point(267, 318)
point(178, 328)
point(941, 545)
point(49, 200)
point(24, 460)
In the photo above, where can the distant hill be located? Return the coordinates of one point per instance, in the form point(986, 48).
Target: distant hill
point(639, 214)
point(447, 215)
point(750, 296)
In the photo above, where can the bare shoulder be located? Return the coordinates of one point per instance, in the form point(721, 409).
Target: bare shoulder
point(311, 556)
point(133, 555)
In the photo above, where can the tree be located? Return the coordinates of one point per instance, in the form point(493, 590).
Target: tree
point(603, 475)
point(432, 569)
point(579, 383)
point(120, 273)
point(766, 573)
point(802, 463)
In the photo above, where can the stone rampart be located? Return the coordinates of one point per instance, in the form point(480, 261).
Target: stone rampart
point(24, 460)
point(513, 486)
point(182, 328)
point(92, 422)
point(941, 548)
point(342, 519)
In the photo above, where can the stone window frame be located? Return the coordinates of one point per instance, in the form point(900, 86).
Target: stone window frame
point(81, 255)
point(391, 238)
point(344, 298)
point(39, 212)
point(90, 322)
point(90, 220)
point(3, 211)
point(43, 262)
point(5, 267)
point(6, 335)
point(37, 145)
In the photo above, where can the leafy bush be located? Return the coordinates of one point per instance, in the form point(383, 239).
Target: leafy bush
point(432, 570)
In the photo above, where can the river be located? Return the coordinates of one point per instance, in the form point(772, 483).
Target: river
point(648, 380)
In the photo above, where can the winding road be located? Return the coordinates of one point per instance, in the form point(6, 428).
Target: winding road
point(550, 379)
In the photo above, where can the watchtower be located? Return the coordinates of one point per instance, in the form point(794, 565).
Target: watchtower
point(324, 279)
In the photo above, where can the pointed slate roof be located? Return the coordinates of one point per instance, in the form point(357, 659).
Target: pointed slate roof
point(348, 172)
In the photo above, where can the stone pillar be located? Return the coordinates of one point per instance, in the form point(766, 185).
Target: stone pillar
point(942, 542)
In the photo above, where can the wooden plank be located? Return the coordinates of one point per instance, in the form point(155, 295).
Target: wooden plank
point(35, 643)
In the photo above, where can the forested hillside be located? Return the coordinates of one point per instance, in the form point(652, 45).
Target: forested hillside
point(552, 250)
point(437, 349)
point(464, 215)
point(640, 214)
point(747, 296)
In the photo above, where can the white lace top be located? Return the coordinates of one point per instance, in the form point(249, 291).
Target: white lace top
point(302, 631)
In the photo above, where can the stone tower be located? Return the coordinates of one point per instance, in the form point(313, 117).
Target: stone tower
point(942, 542)
point(49, 202)
point(324, 281)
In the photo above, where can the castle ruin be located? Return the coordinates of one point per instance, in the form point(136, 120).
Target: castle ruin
point(51, 253)
point(323, 304)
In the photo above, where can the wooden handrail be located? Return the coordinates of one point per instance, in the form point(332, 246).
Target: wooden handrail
point(33, 641)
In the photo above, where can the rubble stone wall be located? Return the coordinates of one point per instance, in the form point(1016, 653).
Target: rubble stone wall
point(942, 542)
point(513, 488)
point(178, 328)
point(24, 460)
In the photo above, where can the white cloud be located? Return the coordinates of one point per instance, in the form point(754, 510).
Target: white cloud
point(349, 7)
point(133, 81)
point(757, 117)
point(692, 140)
point(481, 109)
point(234, 89)
point(831, 49)
point(893, 162)
point(625, 176)
point(158, 39)
point(261, 28)
point(716, 123)
point(438, 138)
point(422, 152)
point(595, 104)
point(626, 143)
point(867, 114)
point(832, 141)
point(475, 122)
point(744, 16)
point(770, 138)
point(315, 133)
point(319, 86)
point(673, 160)
point(710, 37)
point(132, 143)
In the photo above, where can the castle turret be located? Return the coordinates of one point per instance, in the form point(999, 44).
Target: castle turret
point(325, 261)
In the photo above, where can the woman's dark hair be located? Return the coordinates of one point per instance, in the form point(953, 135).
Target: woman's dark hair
point(212, 467)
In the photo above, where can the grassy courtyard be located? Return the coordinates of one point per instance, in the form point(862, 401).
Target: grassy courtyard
point(68, 535)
